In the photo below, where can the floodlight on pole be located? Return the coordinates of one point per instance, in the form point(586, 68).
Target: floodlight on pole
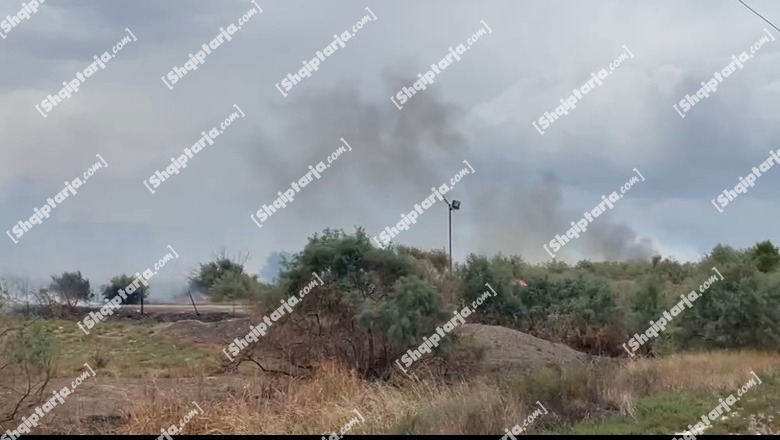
point(454, 206)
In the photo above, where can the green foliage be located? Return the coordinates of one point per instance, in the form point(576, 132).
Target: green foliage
point(584, 264)
point(570, 306)
point(765, 256)
point(724, 255)
point(576, 308)
point(408, 315)
point(500, 273)
point(208, 274)
point(580, 300)
point(232, 286)
point(556, 266)
point(672, 271)
point(36, 346)
point(110, 290)
point(646, 304)
point(741, 311)
point(436, 258)
point(72, 287)
point(373, 305)
point(622, 270)
point(224, 280)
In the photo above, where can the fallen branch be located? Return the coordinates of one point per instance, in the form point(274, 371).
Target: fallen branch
point(265, 370)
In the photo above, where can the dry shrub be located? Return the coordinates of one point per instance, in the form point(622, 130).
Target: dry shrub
point(100, 358)
point(569, 393)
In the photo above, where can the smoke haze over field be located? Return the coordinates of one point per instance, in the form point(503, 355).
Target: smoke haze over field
point(526, 189)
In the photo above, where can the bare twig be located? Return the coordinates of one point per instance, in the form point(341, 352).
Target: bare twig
point(266, 370)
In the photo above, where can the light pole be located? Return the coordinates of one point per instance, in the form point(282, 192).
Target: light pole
point(454, 206)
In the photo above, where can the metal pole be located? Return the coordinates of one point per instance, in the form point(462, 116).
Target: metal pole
point(189, 292)
point(450, 209)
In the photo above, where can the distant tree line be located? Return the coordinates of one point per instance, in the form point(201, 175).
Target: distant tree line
point(376, 303)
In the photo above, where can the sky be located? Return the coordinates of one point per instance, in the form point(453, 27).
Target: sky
point(525, 187)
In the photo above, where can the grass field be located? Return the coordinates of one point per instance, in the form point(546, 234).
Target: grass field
point(147, 380)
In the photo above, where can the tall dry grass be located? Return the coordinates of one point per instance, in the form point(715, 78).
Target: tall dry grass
point(715, 372)
point(322, 404)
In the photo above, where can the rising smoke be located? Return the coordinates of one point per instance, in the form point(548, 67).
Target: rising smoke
point(399, 155)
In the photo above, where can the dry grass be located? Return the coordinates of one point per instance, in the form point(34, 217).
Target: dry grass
point(714, 372)
point(325, 402)
point(152, 394)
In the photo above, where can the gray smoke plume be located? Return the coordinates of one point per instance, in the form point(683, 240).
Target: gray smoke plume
point(612, 241)
point(395, 147)
point(395, 151)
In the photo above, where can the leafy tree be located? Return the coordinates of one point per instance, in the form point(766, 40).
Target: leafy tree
point(723, 255)
point(360, 314)
point(565, 308)
point(207, 275)
point(646, 303)
point(584, 264)
point(413, 311)
point(111, 290)
point(672, 271)
point(71, 287)
point(765, 255)
point(500, 272)
point(740, 311)
point(556, 266)
point(233, 286)
point(437, 260)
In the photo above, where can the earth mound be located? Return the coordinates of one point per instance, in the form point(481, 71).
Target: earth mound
point(515, 350)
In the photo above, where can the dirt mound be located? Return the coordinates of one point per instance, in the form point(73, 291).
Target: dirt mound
point(515, 350)
point(506, 348)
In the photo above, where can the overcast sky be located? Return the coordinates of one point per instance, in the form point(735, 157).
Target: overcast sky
point(527, 187)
